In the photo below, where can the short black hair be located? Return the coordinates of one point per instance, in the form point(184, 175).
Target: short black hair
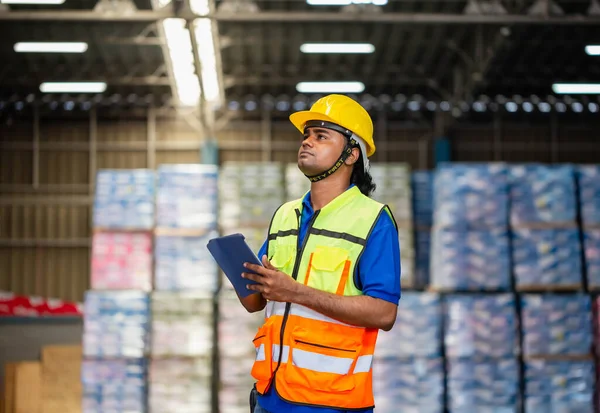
point(361, 178)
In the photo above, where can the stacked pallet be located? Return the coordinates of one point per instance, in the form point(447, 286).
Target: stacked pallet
point(296, 184)
point(117, 309)
point(589, 198)
point(469, 241)
point(394, 189)
point(546, 248)
point(481, 346)
point(186, 280)
point(422, 191)
point(408, 371)
point(249, 195)
point(557, 343)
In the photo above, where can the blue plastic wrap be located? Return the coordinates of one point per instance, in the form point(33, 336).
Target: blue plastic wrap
point(124, 199)
point(589, 194)
point(116, 324)
point(483, 387)
point(474, 260)
point(187, 196)
point(408, 385)
point(418, 328)
point(547, 257)
point(591, 242)
point(184, 263)
point(473, 196)
point(542, 194)
point(556, 324)
point(559, 386)
point(422, 191)
point(422, 257)
point(480, 326)
point(114, 385)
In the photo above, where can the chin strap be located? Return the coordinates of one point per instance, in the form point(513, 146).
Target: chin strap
point(345, 153)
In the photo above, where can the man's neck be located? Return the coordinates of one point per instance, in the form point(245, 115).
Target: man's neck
point(325, 191)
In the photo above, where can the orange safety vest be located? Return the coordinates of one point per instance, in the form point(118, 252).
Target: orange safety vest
point(314, 359)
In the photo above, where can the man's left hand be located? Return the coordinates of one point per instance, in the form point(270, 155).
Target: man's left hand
point(272, 283)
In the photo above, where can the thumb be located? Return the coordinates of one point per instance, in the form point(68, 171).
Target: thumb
point(267, 263)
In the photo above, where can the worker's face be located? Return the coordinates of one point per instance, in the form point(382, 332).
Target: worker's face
point(320, 149)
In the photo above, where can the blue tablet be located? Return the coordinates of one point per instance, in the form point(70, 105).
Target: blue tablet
point(231, 252)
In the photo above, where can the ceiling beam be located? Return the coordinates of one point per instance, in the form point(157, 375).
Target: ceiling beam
point(300, 17)
point(116, 81)
point(232, 81)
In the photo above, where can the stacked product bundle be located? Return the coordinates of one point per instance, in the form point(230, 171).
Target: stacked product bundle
point(115, 341)
point(480, 337)
point(296, 184)
point(394, 189)
point(546, 246)
point(186, 280)
point(116, 310)
point(422, 190)
point(589, 198)
point(182, 348)
point(469, 241)
point(408, 371)
point(236, 329)
point(557, 343)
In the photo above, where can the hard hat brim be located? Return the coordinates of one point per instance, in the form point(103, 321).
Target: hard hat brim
point(299, 119)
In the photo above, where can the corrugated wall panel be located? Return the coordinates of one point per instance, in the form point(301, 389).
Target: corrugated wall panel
point(16, 132)
point(16, 167)
point(522, 144)
point(61, 131)
point(64, 167)
point(471, 145)
point(122, 131)
point(170, 130)
point(122, 160)
point(285, 156)
point(5, 254)
point(166, 157)
point(240, 156)
point(5, 218)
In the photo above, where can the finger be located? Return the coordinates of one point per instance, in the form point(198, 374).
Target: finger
point(259, 269)
point(255, 287)
point(267, 263)
point(254, 277)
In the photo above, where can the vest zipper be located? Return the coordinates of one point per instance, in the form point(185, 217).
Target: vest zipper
point(322, 346)
point(294, 276)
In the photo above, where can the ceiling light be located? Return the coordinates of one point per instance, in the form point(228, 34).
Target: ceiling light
point(208, 59)
point(337, 48)
point(73, 87)
point(43, 2)
point(345, 2)
point(576, 88)
point(50, 47)
point(330, 87)
point(593, 50)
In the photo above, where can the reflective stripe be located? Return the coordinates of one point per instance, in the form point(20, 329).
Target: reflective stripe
point(363, 364)
point(275, 351)
point(278, 308)
point(260, 353)
point(339, 235)
point(320, 362)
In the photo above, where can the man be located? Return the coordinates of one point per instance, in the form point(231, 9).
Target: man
point(331, 275)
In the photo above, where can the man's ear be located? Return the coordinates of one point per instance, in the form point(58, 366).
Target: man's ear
point(353, 157)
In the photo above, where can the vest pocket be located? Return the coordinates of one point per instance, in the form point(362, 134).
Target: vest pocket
point(282, 256)
point(321, 361)
point(329, 269)
point(262, 368)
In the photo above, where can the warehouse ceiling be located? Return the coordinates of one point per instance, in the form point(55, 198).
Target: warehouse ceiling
point(425, 51)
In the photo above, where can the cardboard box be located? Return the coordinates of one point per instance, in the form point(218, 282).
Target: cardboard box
point(22, 388)
point(61, 379)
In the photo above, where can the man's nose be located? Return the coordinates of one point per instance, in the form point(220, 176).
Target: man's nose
point(308, 141)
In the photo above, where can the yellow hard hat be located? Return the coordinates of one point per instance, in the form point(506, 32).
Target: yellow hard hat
point(342, 111)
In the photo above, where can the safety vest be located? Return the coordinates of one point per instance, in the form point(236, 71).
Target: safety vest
point(314, 359)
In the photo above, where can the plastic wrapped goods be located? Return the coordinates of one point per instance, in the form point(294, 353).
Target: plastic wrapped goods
point(180, 385)
point(418, 328)
point(184, 263)
point(480, 326)
point(408, 385)
point(182, 324)
point(116, 324)
point(491, 386)
point(118, 386)
point(542, 194)
point(475, 260)
point(547, 257)
point(393, 189)
point(124, 199)
point(121, 261)
point(589, 194)
point(187, 196)
point(422, 257)
point(422, 190)
point(236, 328)
point(553, 386)
point(296, 184)
point(470, 196)
point(556, 324)
point(591, 242)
